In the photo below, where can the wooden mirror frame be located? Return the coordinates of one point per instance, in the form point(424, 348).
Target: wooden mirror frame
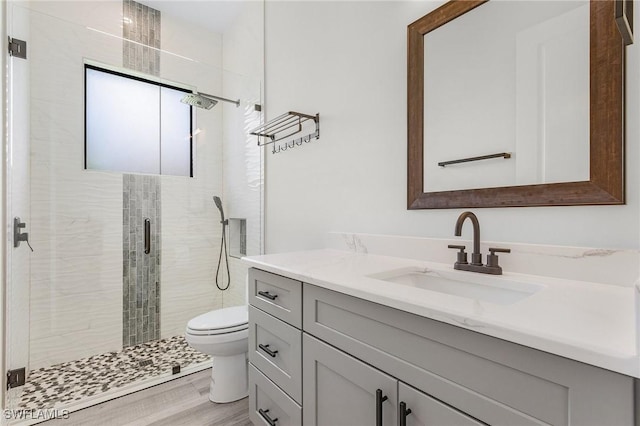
point(606, 171)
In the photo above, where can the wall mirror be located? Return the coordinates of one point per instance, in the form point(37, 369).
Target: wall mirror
point(516, 104)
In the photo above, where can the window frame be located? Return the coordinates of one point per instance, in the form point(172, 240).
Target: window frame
point(104, 69)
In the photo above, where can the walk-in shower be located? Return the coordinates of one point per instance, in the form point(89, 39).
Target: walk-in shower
point(122, 260)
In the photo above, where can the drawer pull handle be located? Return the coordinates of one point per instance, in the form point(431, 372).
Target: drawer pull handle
point(268, 295)
point(267, 350)
point(403, 412)
point(379, 400)
point(263, 413)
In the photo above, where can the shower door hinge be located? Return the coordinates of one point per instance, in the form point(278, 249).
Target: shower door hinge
point(17, 48)
point(16, 377)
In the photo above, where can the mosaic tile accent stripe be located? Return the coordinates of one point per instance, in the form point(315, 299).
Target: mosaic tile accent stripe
point(141, 25)
point(141, 194)
point(141, 271)
point(74, 381)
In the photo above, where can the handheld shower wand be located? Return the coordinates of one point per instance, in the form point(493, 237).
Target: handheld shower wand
point(218, 202)
point(223, 244)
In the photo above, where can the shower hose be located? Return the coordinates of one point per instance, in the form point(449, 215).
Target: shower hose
point(223, 246)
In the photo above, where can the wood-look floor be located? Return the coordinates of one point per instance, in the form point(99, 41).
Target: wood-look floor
point(184, 401)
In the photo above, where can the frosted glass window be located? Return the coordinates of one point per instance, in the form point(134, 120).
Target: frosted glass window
point(135, 125)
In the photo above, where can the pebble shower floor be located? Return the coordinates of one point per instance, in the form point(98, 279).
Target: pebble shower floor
point(73, 381)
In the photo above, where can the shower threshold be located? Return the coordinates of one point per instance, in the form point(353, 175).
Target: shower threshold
point(79, 384)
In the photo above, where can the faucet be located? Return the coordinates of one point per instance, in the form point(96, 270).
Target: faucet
point(476, 256)
point(492, 266)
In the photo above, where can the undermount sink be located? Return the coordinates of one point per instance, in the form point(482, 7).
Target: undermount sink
point(488, 288)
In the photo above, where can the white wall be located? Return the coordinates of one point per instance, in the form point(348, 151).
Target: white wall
point(243, 53)
point(347, 61)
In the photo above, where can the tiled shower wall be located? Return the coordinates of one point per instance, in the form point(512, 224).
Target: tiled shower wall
point(140, 194)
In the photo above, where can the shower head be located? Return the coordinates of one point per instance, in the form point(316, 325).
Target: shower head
point(203, 100)
point(197, 100)
point(218, 202)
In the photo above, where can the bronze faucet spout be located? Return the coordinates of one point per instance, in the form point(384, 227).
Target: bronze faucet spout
point(476, 256)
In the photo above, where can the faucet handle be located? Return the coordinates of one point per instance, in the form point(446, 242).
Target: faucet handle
point(493, 251)
point(492, 259)
point(462, 255)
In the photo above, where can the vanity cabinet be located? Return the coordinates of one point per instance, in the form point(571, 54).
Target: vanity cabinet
point(446, 375)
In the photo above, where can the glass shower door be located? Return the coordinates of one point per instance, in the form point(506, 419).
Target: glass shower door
point(18, 269)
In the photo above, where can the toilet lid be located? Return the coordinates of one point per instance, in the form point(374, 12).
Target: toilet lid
point(226, 319)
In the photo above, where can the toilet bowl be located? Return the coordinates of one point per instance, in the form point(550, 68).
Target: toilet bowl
point(223, 334)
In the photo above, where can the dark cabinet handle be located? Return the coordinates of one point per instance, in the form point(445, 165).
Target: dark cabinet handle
point(265, 416)
point(268, 295)
point(379, 400)
point(403, 412)
point(267, 350)
point(147, 236)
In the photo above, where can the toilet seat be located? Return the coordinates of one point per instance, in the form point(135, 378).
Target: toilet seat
point(220, 321)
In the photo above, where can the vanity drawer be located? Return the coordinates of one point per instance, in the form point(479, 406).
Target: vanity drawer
point(495, 381)
point(267, 401)
point(276, 295)
point(275, 349)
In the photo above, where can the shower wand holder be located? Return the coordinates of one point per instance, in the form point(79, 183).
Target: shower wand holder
point(285, 126)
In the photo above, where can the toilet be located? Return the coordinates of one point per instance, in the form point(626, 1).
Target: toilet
point(223, 334)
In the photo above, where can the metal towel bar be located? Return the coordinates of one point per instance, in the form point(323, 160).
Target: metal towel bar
point(284, 126)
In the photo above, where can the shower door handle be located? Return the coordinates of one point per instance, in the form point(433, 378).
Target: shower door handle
point(147, 236)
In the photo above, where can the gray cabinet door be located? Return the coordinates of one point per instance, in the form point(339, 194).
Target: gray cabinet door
point(339, 390)
point(426, 411)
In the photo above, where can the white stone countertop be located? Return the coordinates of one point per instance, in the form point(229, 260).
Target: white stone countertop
point(584, 321)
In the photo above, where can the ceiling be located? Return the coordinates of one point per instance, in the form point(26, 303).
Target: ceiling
point(214, 15)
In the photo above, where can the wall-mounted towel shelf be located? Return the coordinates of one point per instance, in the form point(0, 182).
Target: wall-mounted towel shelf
point(284, 126)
